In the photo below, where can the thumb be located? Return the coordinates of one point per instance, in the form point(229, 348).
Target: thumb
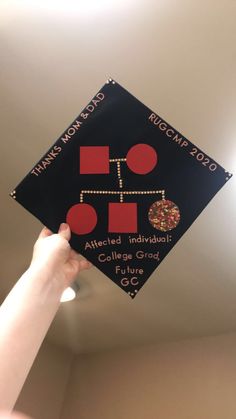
point(64, 231)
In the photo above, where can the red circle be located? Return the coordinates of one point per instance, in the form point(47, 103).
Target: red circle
point(82, 218)
point(141, 159)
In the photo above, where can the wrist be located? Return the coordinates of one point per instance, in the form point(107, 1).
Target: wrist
point(45, 282)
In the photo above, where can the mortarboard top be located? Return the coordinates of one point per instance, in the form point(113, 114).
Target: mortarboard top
point(128, 184)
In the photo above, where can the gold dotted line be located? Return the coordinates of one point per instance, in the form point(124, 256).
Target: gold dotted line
point(162, 192)
point(116, 160)
point(119, 175)
point(121, 193)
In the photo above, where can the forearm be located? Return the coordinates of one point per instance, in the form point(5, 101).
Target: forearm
point(25, 317)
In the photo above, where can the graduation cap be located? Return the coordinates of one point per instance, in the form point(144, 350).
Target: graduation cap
point(128, 184)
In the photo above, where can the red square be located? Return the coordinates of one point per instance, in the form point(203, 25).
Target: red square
point(122, 218)
point(94, 160)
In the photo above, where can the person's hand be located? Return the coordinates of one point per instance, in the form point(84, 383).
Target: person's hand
point(54, 258)
point(29, 309)
point(13, 415)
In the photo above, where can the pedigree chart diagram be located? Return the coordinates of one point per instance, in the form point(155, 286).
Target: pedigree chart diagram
point(127, 182)
point(141, 159)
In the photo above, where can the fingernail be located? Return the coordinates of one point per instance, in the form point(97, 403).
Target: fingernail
point(63, 227)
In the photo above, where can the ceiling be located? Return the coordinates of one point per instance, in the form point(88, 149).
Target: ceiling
point(179, 58)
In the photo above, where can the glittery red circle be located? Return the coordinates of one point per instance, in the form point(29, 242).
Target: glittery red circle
point(164, 215)
point(82, 218)
point(141, 159)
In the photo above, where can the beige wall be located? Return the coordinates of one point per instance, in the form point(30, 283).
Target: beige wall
point(187, 380)
point(43, 393)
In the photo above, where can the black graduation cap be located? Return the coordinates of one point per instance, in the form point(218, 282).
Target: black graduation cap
point(128, 184)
